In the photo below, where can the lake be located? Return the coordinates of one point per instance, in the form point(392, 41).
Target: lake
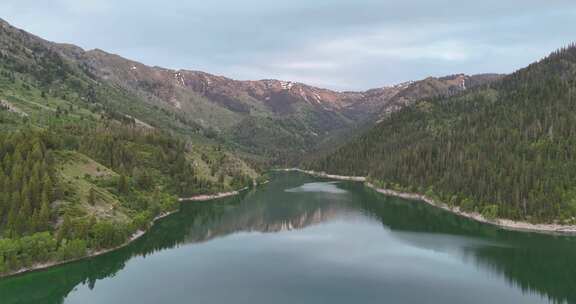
point(301, 239)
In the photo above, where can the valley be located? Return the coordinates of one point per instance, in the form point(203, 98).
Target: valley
point(97, 150)
point(268, 121)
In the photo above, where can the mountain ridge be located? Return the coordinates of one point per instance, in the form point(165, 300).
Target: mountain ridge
point(316, 112)
point(267, 120)
point(201, 82)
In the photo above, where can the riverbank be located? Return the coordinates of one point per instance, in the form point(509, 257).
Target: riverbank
point(138, 234)
point(502, 223)
point(325, 175)
point(37, 267)
point(209, 197)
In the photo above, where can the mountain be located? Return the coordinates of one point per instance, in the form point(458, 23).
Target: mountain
point(409, 92)
point(79, 170)
point(504, 149)
point(40, 87)
point(276, 119)
point(268, 121)
point(181, 88)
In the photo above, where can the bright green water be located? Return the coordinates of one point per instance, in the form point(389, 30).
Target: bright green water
point(301, 240)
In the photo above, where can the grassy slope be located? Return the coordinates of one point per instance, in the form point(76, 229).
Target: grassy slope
point(48, 93)
point(79, 174)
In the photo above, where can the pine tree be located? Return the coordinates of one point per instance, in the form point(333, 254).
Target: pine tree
point(64, 230)
point(44, 215)
point(24, 216)
point(17, 174)
point(123, 185)
point(11, 223)
point(47, 187)
point(92, 196)
point(34, 222)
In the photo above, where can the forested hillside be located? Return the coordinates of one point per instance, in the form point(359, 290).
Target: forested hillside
point(78, 171)
point(68, 190)
point(506, 150)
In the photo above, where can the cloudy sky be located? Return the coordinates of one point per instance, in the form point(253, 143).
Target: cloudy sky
point(339, 44)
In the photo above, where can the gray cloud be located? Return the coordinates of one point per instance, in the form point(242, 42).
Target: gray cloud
point(341, 44)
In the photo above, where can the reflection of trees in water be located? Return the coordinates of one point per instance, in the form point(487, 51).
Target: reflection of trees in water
point(259, 213)
point(550, 273)
point(532, 262)
point(260, 210)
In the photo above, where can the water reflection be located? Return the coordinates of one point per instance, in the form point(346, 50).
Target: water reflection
point(536, 263)
point(531, 262)
point(327, 187)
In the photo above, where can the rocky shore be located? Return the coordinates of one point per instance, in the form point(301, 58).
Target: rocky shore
point(503, 223)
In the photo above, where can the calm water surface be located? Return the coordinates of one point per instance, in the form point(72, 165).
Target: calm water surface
point(305, 240)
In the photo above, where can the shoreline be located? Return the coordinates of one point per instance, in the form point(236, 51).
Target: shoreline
point(38, 267)
point(137, 235)
point(499, 222)
point(325, 175)
point(209, 197)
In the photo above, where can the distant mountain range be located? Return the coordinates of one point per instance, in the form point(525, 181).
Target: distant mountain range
point(267, 120)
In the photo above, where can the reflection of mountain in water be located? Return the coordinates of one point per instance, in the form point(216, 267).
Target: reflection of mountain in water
point(267, 210)
point(262, 211)
point(534, 263)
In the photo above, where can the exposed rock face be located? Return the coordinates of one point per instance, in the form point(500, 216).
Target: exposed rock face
point(278, 96)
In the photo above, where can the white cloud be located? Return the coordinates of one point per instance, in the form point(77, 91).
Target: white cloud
point(86, 6)
point(433, 42)
point(360, 47)
point(446, 50)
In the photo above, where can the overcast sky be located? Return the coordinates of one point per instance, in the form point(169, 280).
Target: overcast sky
point(338, 44)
